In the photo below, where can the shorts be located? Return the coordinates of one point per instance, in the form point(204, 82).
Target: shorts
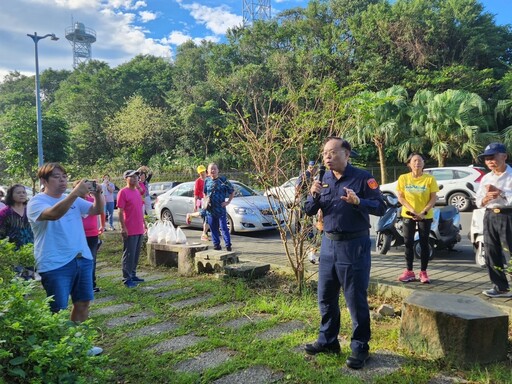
point(74, 278)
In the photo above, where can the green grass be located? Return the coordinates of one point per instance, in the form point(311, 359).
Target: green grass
point(274, 298)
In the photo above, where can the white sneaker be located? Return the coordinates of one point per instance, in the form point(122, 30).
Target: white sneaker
point(95, 351)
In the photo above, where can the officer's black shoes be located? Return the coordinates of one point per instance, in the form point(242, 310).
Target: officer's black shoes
point(315, 348)
point(357, 360)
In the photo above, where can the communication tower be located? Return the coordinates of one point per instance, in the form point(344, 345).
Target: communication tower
point(81, 39)
point(256, 10)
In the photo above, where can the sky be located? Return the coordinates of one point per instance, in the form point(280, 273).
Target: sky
point(126, 28)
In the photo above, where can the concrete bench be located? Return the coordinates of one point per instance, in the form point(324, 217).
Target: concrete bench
point(459, 328)
point(174, 255)
point(210, 261)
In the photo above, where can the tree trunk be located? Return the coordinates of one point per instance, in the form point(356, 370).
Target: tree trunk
point(382, 161)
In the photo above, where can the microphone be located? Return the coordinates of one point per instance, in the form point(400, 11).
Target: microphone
point(321, 173)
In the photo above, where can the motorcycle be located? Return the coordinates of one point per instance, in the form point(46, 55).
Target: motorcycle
point(389, 227)
point(476, 236)
point(444, 232)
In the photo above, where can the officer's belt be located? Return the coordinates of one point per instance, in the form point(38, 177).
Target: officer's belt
point(505, 211)
point(340, 236)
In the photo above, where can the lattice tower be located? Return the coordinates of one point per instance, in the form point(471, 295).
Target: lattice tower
point(256, 10)
point(81, 39)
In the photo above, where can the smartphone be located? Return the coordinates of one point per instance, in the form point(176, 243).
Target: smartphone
point(91, 185)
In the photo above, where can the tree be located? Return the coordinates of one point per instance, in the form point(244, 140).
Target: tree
point(19, 135)
point(85, 99)
point(138, 130)
point(378, 117)
point(452, 123)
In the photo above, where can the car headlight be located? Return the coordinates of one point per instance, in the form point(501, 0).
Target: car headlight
point(243, 211)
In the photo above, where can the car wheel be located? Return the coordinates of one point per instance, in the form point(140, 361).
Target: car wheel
point(480, 254)
point(461, 201)
point(417, 249)
point(231, 227)
point(166, 215)
point(383, 243)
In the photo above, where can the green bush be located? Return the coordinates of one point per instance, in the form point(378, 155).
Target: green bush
point(10, 257)
point(37, 346)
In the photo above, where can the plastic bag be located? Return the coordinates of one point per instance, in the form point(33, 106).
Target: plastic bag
point(152, 233)
point(161, 233)
point(180, 236)
point(170, 233)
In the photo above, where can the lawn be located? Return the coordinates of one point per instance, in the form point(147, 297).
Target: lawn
point(240, 321)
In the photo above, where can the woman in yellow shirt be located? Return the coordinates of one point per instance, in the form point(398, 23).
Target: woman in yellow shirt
point(417, 192)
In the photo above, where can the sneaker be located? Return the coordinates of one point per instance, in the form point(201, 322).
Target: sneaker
point(188, 220)
point(217, 248)
point(96, 289)
point(205, 237)
point(493, 292)
point(407, 276)
point(112, 228)
point(228, 248)
point(95, 351)
point(424, 277)
point(130, 284)
point(137, 279)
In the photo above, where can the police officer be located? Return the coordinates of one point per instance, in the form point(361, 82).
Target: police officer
point(495, 194)
point(346, 196)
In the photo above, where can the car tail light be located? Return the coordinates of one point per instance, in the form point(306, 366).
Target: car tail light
point(479, 178)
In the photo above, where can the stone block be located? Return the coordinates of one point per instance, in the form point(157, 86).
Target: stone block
point(211, 261)
point(174, 255)
point(247, 269)
point(463, 329)
point(211, 254)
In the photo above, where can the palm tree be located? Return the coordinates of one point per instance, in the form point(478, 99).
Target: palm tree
point(452, 123)
point(379, 117)
point(504, 111)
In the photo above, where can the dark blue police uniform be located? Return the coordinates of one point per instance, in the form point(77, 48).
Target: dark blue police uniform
point(345, 255)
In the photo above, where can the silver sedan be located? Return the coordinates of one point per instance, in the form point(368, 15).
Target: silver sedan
point(247, 212)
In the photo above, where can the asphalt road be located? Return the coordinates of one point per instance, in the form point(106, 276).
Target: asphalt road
point(259, 242)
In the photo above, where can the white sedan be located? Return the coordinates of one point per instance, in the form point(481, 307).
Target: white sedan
point(247, 212)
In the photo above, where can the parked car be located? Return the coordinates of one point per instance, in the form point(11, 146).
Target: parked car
point(285, 192)
point(247, 212)
point(156, 189)
point(453, 185)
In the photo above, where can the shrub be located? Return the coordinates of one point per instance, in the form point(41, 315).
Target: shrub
point(10, 258)
point(37, 346)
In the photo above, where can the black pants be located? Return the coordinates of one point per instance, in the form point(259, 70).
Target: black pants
point(497, 239)
point(92, 242)
point(424, 232)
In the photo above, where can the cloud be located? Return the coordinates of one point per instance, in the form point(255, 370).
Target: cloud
point(119, 38)
point(178, 38)
point(218, 19)
point(126, 4)
point(146, 16)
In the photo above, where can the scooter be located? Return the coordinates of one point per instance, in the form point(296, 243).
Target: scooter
point(444, 232)
point(476, 236)
point(389, 227)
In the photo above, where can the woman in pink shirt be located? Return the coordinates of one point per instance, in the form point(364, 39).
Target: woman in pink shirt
point(92, 232)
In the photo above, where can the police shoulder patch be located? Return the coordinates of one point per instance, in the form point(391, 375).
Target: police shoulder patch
point(372, 183)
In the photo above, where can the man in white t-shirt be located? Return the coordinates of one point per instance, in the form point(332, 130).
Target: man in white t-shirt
point(62, 256)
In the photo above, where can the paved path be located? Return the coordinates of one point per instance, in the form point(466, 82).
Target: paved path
point(450, 272)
